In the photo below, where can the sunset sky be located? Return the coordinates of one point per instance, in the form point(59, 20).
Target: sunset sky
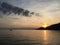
point(49, 13)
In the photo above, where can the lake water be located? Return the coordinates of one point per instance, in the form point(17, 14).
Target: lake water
point(29, 37)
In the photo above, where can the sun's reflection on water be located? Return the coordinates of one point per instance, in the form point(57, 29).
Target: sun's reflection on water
point(45, 35)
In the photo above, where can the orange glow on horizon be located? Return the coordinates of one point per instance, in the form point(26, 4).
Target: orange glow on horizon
point(44, 25)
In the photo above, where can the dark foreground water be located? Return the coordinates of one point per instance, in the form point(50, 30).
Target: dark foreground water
point(29, 37)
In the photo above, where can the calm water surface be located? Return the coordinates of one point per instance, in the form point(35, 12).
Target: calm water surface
point(29, 37)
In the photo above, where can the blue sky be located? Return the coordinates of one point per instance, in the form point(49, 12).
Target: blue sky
point(48, 9)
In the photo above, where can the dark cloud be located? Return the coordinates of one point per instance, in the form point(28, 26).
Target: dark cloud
point(32, 12)
point(26, 13)
point(5, 8)
point(8, 9)
point(17, 10)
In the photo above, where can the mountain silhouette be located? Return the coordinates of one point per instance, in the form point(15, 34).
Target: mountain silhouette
point(52, 27)
point(41, 28)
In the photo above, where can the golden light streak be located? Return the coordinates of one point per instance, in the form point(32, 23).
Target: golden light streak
point(45, 35)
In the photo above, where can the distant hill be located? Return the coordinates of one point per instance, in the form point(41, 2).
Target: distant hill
point(41, 28)
point(52, 27)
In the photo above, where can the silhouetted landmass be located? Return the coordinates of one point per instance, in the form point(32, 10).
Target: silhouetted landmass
point(52, 27)
point(41, 28)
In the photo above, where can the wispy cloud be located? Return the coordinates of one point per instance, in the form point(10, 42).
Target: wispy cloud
point(7, 8)
point(31, 12)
